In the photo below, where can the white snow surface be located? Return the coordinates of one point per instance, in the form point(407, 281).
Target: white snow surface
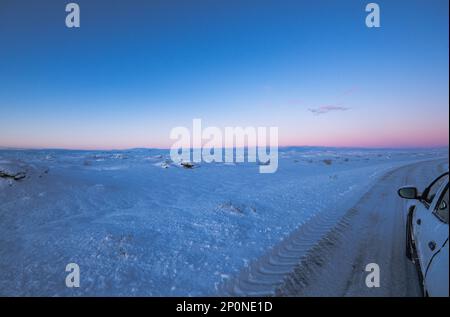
point(138, 224)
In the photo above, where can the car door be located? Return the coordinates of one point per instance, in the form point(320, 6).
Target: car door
point(436, 275)
point(423, 208)
point(430, 232)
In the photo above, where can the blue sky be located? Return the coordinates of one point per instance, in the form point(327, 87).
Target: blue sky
point(136, 69)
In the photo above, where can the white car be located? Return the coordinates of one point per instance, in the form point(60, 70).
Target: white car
point(427, 234)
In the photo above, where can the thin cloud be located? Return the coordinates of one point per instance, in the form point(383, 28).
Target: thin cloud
point(326, 109)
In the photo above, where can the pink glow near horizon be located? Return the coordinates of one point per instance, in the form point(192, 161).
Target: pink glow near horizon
point(406, 140)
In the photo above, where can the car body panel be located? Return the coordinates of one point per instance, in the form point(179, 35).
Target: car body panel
point(431, 230)
point(437, 273)
point(429, 236)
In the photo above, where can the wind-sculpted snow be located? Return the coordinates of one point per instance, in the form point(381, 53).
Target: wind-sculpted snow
point(139, 224)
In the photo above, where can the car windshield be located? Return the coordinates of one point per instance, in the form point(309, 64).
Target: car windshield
point(434, 188)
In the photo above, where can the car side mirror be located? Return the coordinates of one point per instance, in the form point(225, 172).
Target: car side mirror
point(408, 192)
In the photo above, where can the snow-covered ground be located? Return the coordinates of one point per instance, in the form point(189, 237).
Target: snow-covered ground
point(138, 224)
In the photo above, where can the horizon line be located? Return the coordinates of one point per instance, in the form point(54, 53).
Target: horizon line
point(434, 147)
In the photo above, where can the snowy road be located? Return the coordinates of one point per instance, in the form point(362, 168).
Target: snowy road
point(373, 231)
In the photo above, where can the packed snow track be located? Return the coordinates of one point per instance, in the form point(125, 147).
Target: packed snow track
point(372, 231)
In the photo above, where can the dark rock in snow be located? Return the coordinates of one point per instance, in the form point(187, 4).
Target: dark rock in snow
point(262, 163)
point(12, 170)
point(187, 164)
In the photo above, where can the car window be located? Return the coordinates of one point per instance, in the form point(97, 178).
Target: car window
point(435, 188)
point(442, 207)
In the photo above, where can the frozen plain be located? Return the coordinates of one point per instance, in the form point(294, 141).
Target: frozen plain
point(137, 224)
